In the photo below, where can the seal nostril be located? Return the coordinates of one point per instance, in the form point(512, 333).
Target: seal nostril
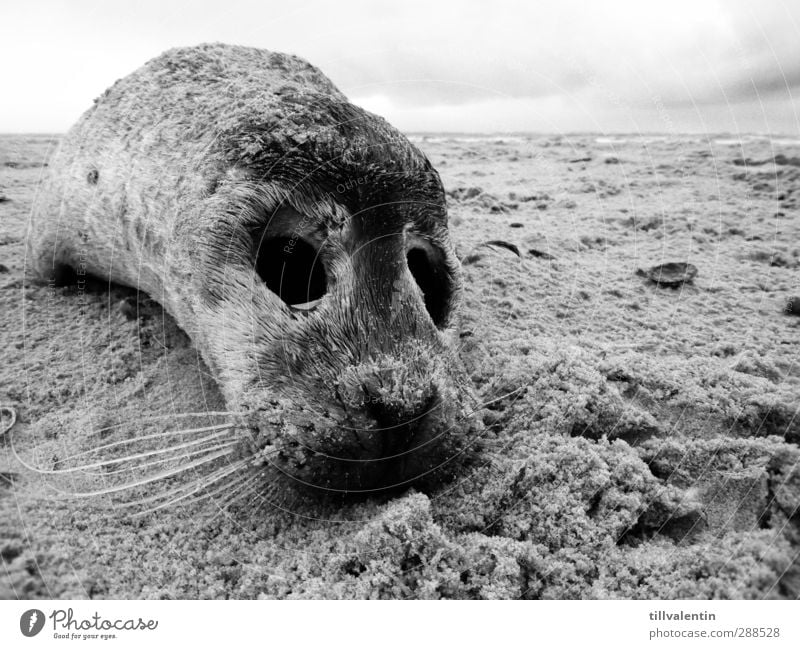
point(432, 281)
point(291, 269)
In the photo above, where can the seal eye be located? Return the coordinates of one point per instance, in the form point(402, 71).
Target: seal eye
point(292, 269)
point(429, 273)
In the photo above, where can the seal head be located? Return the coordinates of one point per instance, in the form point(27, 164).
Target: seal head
point(299, 240)
point(342, 239)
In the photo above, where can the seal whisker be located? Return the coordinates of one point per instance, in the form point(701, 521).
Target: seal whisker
point(181, 415)
point(182, 492)
point(134, 440)
point(228, 487)
point(267, 491)
point(262, 501)
point(143, 465)
point(469, 413)
point(247, 477)
point(484, 404)
point(140, 483)
point(237, 494)
point(128, 458)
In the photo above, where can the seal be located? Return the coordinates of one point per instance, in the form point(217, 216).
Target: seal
point(300, 241)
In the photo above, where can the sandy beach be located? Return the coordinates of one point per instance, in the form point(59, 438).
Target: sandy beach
point(641, 440)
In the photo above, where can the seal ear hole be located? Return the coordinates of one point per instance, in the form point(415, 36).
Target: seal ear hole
point(432, 281)
point(291, 268)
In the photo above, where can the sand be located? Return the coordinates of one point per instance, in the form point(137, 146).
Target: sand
point(648, 448)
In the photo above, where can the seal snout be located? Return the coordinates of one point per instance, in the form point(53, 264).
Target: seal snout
point(397, 418)
point(392, 389)
point(388, 403)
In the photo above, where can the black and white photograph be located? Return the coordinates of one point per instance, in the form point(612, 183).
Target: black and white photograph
point(401, 301)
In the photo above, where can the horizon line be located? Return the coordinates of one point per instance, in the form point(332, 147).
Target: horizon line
point(522, 133)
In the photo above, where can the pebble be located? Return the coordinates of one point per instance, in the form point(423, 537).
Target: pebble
point(671, 275)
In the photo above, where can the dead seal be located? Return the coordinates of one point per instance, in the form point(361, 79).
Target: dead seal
point(300, 241)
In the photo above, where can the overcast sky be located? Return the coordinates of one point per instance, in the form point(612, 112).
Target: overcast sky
point(543, 66)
